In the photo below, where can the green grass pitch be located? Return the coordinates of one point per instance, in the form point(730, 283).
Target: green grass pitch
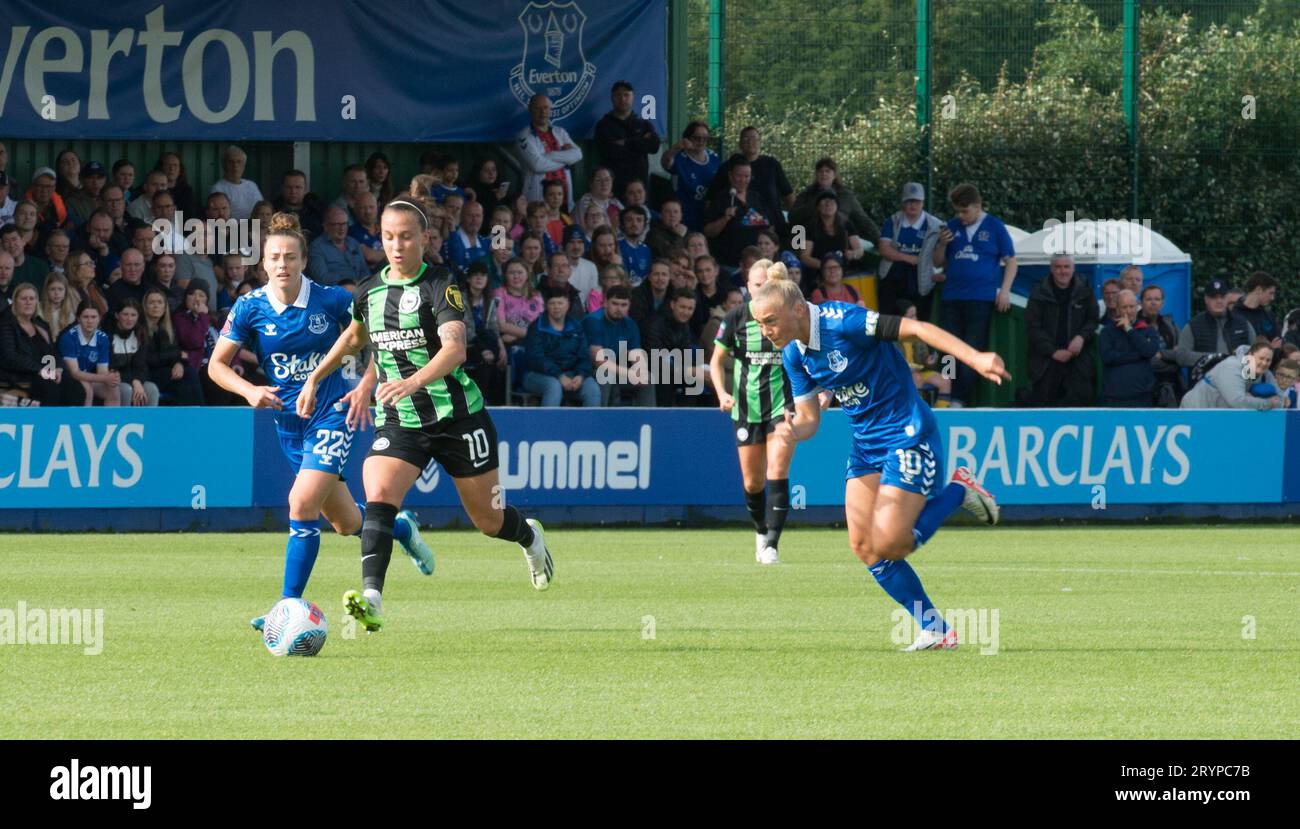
point(1102, 633)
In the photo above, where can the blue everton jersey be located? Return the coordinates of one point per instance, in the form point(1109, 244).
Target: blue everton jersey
point(291, 340)
point(869, 376)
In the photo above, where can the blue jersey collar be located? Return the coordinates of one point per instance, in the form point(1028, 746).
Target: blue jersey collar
point(814, 330)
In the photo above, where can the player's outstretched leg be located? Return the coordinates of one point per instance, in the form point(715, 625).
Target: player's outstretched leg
point(482, 498)
point(312, 491)
point(977, 500)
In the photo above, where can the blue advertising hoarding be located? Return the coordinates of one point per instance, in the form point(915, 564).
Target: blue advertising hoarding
point(395, 70)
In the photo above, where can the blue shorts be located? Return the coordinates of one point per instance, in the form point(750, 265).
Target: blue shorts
point(320, 444)
point(916, 468)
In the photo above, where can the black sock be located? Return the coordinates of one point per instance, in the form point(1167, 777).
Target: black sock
point(515, 528)
point(376, 544)
point(778, 504)
point(757, 511)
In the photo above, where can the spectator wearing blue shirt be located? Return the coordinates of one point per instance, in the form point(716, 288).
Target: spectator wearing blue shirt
point(981, 265)
point(336, 255)
point(86, 351)
point(631, 244)
point(693, 166)
point(616, 354)
point(366, 231)
point(558, 357)
point(465, 246)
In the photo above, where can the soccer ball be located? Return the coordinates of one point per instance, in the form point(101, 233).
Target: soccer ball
point(295, 627)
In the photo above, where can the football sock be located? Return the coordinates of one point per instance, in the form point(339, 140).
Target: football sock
point(299, 557)
point(515, 528)
point(375, 600)
point(376, 544)
point(936, 511)
point(755, 502)
point(401, 530)
point(778, 504)
point(362, 525)
point(899, 580)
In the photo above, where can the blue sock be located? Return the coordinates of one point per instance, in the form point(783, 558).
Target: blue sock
point(299, 556)
point(362, 523)
point(937, 511)
point(899, 580)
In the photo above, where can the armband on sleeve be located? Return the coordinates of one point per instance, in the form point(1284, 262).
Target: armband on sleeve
point(887, 326)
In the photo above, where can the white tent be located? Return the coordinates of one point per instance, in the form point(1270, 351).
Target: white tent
point(1107, 242)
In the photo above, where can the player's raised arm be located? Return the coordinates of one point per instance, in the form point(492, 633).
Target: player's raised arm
point(351, 341)
point(987, 363)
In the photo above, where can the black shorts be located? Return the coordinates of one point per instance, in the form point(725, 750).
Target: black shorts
point(753, 434)
point(465, 448)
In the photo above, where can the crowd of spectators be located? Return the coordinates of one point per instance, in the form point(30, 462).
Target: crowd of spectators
point(574, 297)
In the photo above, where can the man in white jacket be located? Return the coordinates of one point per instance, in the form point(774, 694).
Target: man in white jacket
point(545, 152)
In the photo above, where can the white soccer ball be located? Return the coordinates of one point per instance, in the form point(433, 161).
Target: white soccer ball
point(295, 627)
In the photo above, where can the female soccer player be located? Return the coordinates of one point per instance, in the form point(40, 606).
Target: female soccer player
point(292, 322)
point(891, 498)
point(415, 315)
point(758, 401)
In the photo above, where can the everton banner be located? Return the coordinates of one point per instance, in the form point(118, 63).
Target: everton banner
point(389, 70)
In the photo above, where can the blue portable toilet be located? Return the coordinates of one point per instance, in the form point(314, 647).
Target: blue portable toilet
point(1103, 248)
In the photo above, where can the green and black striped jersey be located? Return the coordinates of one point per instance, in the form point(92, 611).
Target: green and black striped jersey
point(758, 379)
point(402, 318)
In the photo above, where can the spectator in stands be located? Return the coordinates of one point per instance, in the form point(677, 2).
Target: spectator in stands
point(693, 166)
point(7, 204)
point(556, 281)
point(168, 371)
point(129, 356)
point(82, 281)
point(142, 208)
point(96, 237)
point(233, 274)
point(826, 177)
point(632, 248)
point(545, 151)
point(164, 207)
point(243, 193)
point(1169, 377)
point(793, 269)
point(68, 187)
point(7, 284)
point(592, 219)
point(142, 242)
point(178, 183)
point(558, 357)
point(1216, 330)
point(667, 232)
point(832, 287)
point(354, 184)
point(697, 245)
point(1106, 306)
point(1060, 323)
point(1261, 290)
point(674, 349)
point(733, 221)
point(609, 277)
point(708, 293)
point(1234, 296)
point(93, 180)
point(379, 178)
point(131, 284)
point(336, 255)
point(29, 269)
point(487, 186)
point(1127, 345)
point(556, 219)
point(57, 246)
point(767, 175)
point(195, 334)
point(1288, 375)
point(58, 306)
point(651, 295)
point(518, 303)
point(51, 212)
point(537, 220)
point(981, 265)
point(295, 199)
point(29, 365)
point(365, 230)
point(449, 168)
point(467, 245)
point(610, 336)
point(112, 200)
point(262, 213)
point(1227, 384)
point(1130, 279)
point(26, 219)
point(583, 275)
point(769, 245)
point(907, 242)
point(486, 353)
point(635, 195)
point(86, 351)
point(604, 249)
point(625, 139)
point(735, 298)
point(600, 192)
point(532, 250)
point(828, 233)
point(124, 177)
point(161, 274)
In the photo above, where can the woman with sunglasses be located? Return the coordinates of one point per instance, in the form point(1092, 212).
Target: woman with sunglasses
point(693, 166)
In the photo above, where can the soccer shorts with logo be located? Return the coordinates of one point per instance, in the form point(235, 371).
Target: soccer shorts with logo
point(916, 468)
point(753, 434)
point(321, 443)
point(464, 448)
